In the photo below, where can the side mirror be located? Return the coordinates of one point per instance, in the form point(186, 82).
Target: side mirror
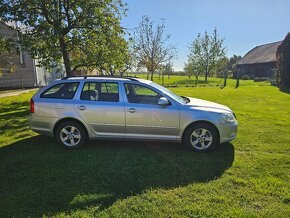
point(163, 101)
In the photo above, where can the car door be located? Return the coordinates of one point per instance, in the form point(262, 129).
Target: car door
point(101, 107)
point(145, 118)
point(53, 102)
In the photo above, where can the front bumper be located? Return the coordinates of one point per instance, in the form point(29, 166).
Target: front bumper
point(228, 131)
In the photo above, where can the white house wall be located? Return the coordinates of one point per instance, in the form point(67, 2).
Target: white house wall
point(27, 74)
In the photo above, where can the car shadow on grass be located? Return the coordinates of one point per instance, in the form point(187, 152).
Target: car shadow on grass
point(39, 177)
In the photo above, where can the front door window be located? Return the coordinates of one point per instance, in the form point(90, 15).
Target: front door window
point(141, 95)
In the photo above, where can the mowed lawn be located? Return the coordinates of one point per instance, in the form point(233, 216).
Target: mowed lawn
point(249, 177)
point(184, 81)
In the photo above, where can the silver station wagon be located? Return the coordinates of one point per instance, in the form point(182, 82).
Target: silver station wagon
point(75, 109)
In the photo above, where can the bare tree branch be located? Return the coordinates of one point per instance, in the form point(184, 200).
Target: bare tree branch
point(151, 49)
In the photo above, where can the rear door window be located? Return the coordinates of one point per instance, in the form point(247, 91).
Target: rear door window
point(100, 91)
point(61, 91)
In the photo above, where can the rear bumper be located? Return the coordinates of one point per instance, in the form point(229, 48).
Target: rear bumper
point(228, 131)
point(42, 125)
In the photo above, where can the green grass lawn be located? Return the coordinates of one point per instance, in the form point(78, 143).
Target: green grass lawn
point(184, 81)
point(249, 177)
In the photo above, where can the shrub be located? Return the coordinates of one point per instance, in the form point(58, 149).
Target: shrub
point(283, 63)
point(261, 79)
point(246, 77)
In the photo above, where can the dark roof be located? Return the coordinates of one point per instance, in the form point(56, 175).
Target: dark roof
point(261, 54)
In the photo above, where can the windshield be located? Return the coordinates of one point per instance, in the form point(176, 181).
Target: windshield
point(177, 98)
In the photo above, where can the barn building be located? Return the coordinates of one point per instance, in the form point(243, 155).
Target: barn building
point(259, 62)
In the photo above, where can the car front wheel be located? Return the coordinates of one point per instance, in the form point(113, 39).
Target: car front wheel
point(71, 134)
point(201, 137)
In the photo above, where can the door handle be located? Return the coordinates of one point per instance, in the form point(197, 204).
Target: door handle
point(81, 107)
point(132, 110)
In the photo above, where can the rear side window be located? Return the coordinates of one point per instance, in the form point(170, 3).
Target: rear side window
point(100, 91)
point(61, 91)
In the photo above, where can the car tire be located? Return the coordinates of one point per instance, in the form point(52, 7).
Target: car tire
point(201, 137)
point(71, 134)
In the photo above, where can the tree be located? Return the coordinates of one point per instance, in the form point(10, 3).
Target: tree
point(283, 63)
point(168, 69)
point(108, 54)
point(233, 62)
point(231, 66)
point(189, 70)
point(151, 48)
point(65, 30)
point(7, 54)
point(206, 51)
point(221, 67)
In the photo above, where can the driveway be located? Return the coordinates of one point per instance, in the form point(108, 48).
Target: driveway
point(15, 92)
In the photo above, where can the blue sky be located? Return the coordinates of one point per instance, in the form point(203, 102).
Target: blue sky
point(243, 23)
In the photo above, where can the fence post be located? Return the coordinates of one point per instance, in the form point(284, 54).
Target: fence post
point(238, 79)
point(225, 78)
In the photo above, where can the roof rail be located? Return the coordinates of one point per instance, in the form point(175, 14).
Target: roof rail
point(133, 78)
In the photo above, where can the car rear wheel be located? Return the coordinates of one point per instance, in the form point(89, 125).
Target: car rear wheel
point(201, 137)
point(71, 134)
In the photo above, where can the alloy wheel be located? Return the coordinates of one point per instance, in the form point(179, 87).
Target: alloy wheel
point(201, 139)
point(70, 136)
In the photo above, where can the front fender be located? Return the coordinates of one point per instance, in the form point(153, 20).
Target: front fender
point(187, 117)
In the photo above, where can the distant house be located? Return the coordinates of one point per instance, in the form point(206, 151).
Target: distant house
point(260, 61)
point(27, 73)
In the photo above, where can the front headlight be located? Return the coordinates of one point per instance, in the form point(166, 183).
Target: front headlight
point(228, 117)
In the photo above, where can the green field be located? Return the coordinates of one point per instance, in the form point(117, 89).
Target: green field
point(249, 177)
point(184, 81)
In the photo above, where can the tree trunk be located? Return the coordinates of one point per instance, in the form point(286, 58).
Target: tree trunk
point(111, 71)
point(205, 77)
point(65, 57)
point(151, 72)
point(148, 75)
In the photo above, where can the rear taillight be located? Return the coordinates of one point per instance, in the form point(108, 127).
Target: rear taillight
point(31, 106)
